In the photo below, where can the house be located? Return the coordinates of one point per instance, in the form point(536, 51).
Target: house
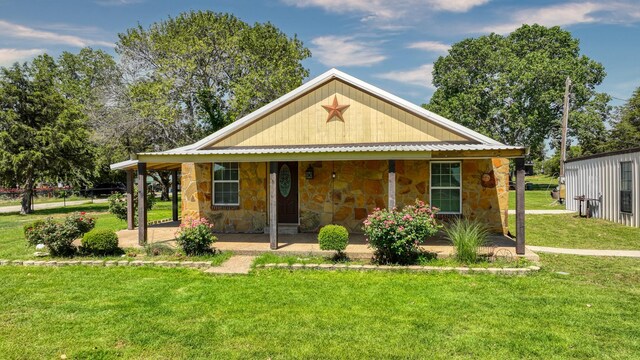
point(608, 182)
point(331, 151)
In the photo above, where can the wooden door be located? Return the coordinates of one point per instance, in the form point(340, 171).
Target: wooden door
point(288, 192)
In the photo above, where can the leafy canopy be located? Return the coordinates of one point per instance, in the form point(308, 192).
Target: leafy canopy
point(511, 87)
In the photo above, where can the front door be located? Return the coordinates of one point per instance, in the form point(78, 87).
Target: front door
point(288, 192)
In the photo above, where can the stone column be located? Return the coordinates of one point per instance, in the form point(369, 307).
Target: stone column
point(174, 195)
point(142, 204)
point(273, 205)
point(130, 200)
point(520, 247)
point(392, 184)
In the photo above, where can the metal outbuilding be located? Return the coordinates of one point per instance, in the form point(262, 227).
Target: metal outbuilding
point(609, 182)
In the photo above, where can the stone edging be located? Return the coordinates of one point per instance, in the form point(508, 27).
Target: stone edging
point(414, 268)
point(109, 263)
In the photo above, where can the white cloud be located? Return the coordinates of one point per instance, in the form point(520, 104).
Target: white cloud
point(345, 51)
point(420, 76)
point(431, 46)
point(10, 56)
point(380, 12)
point(570, 14)
point(12, 30)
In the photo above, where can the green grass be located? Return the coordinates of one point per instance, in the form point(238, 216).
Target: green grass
point(13, 245)
point(105, 313)
point(535, 200)
point(542, 182)
point(571, 231)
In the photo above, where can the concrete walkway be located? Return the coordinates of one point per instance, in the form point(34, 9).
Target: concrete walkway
point(237, 264)
point(543, 212)
point(53, 205)
point(586, 252)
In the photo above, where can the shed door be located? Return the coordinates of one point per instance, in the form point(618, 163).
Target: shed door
point(288, 192)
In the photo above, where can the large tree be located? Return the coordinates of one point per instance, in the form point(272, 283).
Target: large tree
point(43, 131)
point(625, 132)
point(193, 74)
point(511, 87)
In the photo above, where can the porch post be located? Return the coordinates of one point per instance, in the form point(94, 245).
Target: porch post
point(273, 205)
point(392, 184)
point(174, 194)
point(520, 206)
point(130, 200)
point(142, 204)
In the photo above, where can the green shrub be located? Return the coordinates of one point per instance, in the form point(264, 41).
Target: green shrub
point(396, 235)
point(118, 205)
point(33, 236)
point(333, 237)
point(195, 237)
point(467, 237)
point(100, 242)
point(80, 221)
point(58, 237)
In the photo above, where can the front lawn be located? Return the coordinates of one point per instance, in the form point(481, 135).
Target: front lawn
point(536, 200)
point(85, 312)
point(13, 244)
point(571, 231)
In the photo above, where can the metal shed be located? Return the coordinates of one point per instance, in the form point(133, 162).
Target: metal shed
point(612, 180)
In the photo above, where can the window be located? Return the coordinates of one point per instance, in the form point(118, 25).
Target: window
point(225, 184)
point(626, 186)
point(446, 187)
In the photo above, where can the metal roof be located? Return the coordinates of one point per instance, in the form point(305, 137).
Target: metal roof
point(413, 147)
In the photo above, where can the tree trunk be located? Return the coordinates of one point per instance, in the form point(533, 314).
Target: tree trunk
point(163, 178)
point(27, 196)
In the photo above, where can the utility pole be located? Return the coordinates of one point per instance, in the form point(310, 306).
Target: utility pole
point(563, 146)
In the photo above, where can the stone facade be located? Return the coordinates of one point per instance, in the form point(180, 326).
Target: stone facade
point(358, 188)
point(249, 216)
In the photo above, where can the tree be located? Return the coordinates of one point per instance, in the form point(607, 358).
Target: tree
point(511, 87)
point(43, 134)
point(625, 132)
point(193, 74)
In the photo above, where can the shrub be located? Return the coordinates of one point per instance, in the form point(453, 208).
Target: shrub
point(100, 242)
point(58, 237)
point(195, 237)
point(467, 237)
point(333, 237)
point(31, 233)
point(396, 235)
point(80, 221)
point(118, 205)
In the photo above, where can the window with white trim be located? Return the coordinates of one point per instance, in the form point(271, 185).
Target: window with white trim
point(446, 187)
point(226, 184)
point(626, 187)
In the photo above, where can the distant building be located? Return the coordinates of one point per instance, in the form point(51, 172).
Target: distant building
point(609, 182)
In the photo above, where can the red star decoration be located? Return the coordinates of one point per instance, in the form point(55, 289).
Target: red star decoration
point(335, 110)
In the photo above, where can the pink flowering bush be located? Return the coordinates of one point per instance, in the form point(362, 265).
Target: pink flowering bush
point(396, 235)
point(194, 236)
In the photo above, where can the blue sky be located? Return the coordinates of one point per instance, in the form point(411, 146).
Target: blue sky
point(389, 43)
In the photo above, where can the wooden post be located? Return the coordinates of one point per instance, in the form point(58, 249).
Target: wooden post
point(174, 194)
point(520, 206)
point(142, 204)
point(130, 212)
point(273, 205)
point(392, 184)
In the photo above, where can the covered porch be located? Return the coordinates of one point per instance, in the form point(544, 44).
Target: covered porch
point(306, 244)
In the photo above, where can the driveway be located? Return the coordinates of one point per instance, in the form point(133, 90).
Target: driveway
point(16, 208)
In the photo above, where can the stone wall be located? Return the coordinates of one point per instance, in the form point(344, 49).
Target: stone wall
point(249, 216)
point(489, 204)
point(358, 188)
point(347, 199)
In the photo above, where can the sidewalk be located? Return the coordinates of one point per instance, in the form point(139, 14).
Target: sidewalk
point(586, 252)
point(237, 264)
point(53, 205)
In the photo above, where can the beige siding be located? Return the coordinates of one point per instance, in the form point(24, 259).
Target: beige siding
point(367, 120)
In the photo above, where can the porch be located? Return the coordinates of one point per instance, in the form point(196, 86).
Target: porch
point(305, 244)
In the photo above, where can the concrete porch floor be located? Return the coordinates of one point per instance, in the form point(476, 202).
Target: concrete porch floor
point(302, 244)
